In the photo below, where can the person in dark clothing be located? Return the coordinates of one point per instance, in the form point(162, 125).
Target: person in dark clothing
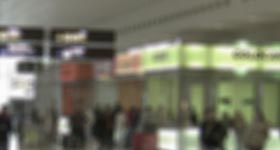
point(133, 121)
point(5, 128)
point(193, 117)
point(78, 122)
point(213, 132)
point(109, 126)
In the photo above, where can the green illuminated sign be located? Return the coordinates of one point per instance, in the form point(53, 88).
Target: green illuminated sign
point(162, 58)
point(196, 56)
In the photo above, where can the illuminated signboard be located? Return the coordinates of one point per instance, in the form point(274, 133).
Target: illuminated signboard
point(20, 49)
point(162, 58)
point(80, 36)
point(10, 34)
point(196, 56)
point(228, 57)
point(16, 41)
point(222, 57)
point(82, 44)
point(129, 64)
point(271, 60)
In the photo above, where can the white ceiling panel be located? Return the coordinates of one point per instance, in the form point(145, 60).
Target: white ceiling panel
point(141, 21)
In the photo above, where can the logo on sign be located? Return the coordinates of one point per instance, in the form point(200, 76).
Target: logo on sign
point(11, 34)
point(72, 37)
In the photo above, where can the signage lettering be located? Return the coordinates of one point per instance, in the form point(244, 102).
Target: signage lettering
point(11, 34)
point(72, 37)
point(161, 56)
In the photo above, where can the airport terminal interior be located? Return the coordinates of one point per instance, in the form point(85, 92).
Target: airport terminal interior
point(139, 75)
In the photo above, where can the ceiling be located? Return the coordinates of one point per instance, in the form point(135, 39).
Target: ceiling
point(143, 21)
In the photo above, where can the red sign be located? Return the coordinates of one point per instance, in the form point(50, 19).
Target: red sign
point(75, 71)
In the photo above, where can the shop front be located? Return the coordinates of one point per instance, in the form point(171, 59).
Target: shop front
point(129, 75)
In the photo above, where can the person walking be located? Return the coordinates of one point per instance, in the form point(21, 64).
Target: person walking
point(5, 128)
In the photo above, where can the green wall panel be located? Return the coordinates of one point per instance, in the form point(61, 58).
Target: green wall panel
point(270, 103)
point(162, 93)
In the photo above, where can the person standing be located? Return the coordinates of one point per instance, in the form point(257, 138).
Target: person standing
point(257, 133)
point(239, 126)
point(5, 128)
point(120, 128)
point(78, 128)
point(213, 132)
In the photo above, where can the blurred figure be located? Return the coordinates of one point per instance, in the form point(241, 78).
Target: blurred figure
point(227, 120)
point(257, 133)
point(213, 132)
point(109, 125)
point(78, 128)
point(184, 113)
point(5, 128)
point(149, 120)
point(120, 127)
point(98, 128)
point(193, 117)
point(133, 121)
point(239, 126)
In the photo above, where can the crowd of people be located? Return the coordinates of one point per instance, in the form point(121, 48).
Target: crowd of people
point(108, 127)
point(249, 136)
point(115, 127)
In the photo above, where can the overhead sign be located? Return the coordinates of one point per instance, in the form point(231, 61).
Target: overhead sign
point(10, 34)
point(82, 44)
point(15, 34)
point(17, 41)
point(21, 49)
point(72, 37)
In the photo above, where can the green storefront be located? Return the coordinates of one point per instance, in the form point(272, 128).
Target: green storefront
point(161, 65)
point(229, 77)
